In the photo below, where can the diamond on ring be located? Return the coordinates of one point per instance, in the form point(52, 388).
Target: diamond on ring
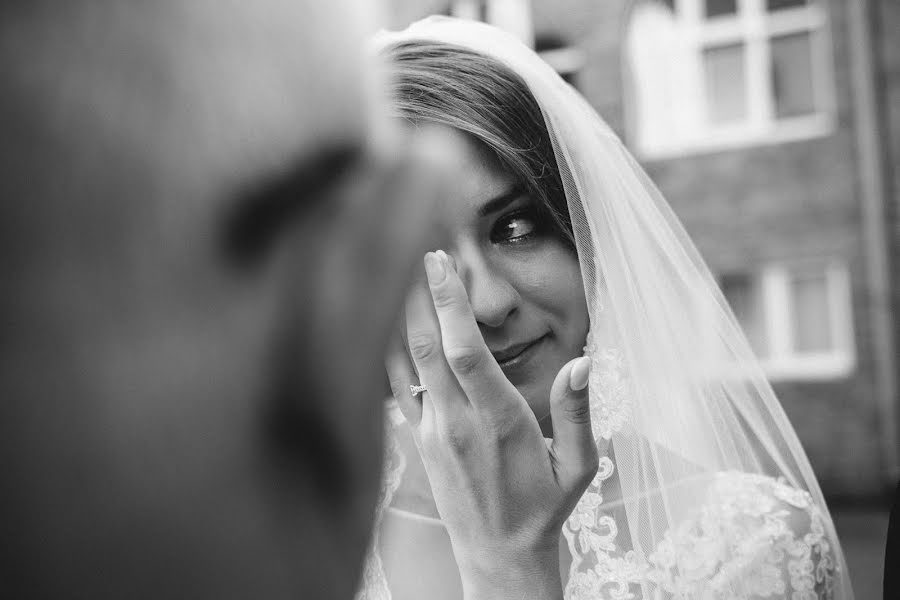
point(415, 390)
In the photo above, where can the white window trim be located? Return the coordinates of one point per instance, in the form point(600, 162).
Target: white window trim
point(513, 16)
point(466, 9)
point(782, 362)
point(753, 27)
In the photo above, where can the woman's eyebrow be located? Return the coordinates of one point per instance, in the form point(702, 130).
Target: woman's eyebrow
point(498, 203)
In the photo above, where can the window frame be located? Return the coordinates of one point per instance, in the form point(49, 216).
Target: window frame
point(753, 27)
point(782, 362)
point(515, 16)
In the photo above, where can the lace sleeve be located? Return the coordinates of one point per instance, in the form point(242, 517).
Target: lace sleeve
point(753, 537)
point(754, 534)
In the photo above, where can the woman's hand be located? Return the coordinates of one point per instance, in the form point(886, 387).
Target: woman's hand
point(502, 493)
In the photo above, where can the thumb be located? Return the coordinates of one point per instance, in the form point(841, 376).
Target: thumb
point(573, 445)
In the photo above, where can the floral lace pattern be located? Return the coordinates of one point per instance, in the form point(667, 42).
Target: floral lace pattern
point(610, 405)
point(753, 537)
point(750, 536)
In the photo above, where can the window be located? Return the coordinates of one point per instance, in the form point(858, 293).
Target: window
point(512, 15)
point(708, 74)
point(797, 318)
point(744, 295)
point(717, 8)
point(779, 4)
point(515, 16)
point(792, 80)
point(726, 83)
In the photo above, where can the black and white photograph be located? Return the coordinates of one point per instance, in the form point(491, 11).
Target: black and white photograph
point(450, 299)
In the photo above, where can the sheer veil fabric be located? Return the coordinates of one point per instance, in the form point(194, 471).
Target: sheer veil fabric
point(704, 490)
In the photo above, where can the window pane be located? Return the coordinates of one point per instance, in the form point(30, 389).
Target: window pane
point(726, 88)
point(717, 8)
point(779, 4)
point(811, 313)
point(468, 9)
point(745, 298)
point(792, 78)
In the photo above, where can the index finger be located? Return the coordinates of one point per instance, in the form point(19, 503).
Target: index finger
point(425, 346)
point(477, 373)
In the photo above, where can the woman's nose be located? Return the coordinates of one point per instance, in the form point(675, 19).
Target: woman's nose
point(492, 295)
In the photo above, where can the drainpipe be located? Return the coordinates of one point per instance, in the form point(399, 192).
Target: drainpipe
point(870, 158)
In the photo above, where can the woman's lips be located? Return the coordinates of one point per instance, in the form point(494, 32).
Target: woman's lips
point(513, 358)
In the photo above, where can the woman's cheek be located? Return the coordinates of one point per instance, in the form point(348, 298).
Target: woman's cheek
point(563, 295)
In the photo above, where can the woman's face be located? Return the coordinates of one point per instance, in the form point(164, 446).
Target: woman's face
point(523, 282)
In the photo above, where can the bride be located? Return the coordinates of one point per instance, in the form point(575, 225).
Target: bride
point(576, 413)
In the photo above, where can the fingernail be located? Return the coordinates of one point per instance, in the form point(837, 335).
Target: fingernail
point(445, 259)
point(578, 377)
point(434, 268)
point(448, 260)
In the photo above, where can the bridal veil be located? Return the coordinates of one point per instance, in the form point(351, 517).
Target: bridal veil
point(704, 490)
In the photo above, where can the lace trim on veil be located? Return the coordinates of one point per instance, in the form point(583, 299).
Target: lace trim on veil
point(753, 537)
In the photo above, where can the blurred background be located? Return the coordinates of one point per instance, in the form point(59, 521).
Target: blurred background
point(773, 128)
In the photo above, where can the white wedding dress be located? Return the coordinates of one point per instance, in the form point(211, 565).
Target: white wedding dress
point(749, 528)
point(704, 491)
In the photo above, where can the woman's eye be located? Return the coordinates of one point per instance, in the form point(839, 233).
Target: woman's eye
point(516, 226)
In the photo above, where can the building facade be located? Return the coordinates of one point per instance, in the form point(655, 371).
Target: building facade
point(769, 125)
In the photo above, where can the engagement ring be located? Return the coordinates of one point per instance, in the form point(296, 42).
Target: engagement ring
point(415, 390)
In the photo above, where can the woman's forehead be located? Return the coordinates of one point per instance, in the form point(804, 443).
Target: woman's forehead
point(477, 175)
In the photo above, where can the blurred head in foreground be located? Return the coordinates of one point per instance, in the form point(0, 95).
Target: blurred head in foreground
point(187, 370)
